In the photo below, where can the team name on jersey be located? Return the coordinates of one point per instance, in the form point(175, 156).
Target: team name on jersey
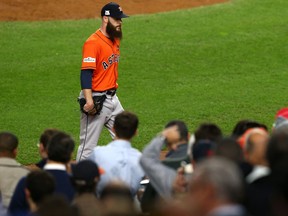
point(89, 59)
point(112, 59)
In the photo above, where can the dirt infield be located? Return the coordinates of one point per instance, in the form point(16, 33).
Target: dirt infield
point(32, 10)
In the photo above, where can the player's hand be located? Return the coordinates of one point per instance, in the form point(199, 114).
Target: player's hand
point(89, 106)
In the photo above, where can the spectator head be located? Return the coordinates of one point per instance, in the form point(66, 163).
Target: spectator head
point(56, 205)
point(230, 149)
point(242, 140)
point(60, 148)
point(117, 199)
point(281, 120)
point(85, 176)
point(215, 182)
point(255, 145)
point(183, 130)
point(209, 131)
point(39, 185)
point(125, 125)
point(243, 125)
point(277, 149)
point(8, 145)
point(202, 149)
point(45, 137)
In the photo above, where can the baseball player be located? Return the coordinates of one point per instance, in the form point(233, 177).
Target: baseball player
point(99, 72)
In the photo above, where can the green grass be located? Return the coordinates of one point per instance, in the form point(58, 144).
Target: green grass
point(221, 63)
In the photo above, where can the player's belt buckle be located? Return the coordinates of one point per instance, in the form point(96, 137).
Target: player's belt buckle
point(111, 92)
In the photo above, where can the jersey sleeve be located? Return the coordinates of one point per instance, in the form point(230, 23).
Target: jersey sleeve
point(89, 56)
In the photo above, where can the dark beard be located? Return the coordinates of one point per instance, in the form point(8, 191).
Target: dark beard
point(112, 32)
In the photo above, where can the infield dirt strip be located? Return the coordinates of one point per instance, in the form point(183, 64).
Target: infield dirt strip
point(33, 10)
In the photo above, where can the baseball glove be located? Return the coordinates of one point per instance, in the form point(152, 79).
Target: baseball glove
point(98, 104)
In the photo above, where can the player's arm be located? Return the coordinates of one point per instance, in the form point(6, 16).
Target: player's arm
point(86, 85)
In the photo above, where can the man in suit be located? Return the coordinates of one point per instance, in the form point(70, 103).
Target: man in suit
point(60, 150)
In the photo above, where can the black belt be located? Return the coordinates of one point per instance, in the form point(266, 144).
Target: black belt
point(111, 92)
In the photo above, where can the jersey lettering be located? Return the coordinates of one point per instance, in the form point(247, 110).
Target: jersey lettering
point(105, 65)
point(116, 59)
point(112, 59)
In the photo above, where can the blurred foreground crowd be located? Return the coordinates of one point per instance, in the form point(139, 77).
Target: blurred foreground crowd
point(203, 173)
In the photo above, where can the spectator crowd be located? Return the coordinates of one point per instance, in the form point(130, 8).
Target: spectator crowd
point(203, 172)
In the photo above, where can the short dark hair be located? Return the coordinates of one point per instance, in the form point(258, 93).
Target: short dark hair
point(229, 148)
point(183, 130)
point(277, 149)
point(125, 125)
point(47, 135)
point(40, 184)
point(116, 190)
point(8, 142)
point(243, 125)
point(209, 131)
point(60, 147)
point(56, 204)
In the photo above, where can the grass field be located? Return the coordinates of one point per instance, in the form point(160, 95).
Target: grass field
point(221, 64)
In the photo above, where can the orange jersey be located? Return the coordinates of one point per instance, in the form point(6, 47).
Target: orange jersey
point(102, 55)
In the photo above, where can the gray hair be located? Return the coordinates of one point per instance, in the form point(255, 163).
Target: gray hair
point(281, 127)
point(223, 175)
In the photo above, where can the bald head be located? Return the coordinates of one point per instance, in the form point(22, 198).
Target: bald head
point(255, 148)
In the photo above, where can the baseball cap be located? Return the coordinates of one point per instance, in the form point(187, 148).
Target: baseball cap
point(114, 10)
point(281, 118)
point(202, 149)
point(85, 172)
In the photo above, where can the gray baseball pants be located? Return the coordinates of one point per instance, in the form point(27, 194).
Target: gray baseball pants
point(91, 126)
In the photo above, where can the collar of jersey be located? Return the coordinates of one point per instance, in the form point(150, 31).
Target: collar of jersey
point(103, 37)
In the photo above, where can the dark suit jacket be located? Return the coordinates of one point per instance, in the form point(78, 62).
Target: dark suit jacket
point(259, 196)
point(64, 186)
